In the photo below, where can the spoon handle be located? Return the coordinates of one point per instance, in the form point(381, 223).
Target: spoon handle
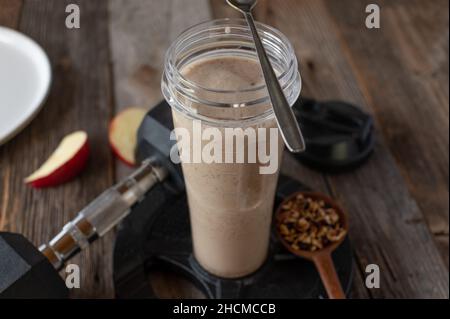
point(287, 123)
point(328, 274)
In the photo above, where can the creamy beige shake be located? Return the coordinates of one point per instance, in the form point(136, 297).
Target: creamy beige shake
point(230, 203)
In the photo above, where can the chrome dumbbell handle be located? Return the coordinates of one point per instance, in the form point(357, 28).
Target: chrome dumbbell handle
point(102, 214)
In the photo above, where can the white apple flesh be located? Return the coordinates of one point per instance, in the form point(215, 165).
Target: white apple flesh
point(123, 133)
point(66, 162)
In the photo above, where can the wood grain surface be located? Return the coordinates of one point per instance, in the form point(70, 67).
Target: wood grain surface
point(412, 109)
point(138, 45)
point(80, 98)
point(10, 13)
point(397, 202)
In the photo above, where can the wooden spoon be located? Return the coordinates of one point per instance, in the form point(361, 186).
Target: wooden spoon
point(321, 258)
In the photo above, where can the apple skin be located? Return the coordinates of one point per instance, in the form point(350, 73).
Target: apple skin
point(68, 171)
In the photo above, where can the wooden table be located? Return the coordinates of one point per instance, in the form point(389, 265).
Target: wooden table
point(398, 201)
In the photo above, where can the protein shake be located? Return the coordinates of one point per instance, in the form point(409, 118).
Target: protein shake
point(230, 204)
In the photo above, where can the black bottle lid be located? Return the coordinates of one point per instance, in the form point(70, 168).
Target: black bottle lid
point(338, 135)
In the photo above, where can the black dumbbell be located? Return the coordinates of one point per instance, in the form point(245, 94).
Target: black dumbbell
point(27, 272)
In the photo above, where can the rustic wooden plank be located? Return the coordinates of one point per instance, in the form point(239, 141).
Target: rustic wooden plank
point(290, 166)
point(10, 13)
point(79, 99)
point(388, 230)
point(403, 70)
point(317, 181)
point(387, 226)
point(442, 242)
point(327, 73)
point(141, 32)
point(145, 88)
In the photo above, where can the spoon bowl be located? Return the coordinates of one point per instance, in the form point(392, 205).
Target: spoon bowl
point(242, 5)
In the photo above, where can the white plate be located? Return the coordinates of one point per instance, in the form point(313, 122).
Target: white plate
point(25, 77)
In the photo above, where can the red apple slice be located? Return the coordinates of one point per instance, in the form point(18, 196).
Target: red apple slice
point(123, 133)
point(66, 162)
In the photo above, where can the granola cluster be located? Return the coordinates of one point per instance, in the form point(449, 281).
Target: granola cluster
point(309, 225)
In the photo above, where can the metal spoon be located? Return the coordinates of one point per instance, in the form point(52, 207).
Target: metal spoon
point(290, 131)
